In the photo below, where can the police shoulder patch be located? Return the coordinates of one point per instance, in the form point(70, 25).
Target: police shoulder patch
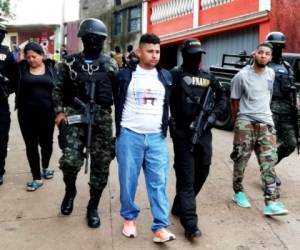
point(3, 57)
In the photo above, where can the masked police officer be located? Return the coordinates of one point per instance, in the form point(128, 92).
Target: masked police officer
point(75, 76)
point(283, 99)
point(192, 162)
point(6, 62)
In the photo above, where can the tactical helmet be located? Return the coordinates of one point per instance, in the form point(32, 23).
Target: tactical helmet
point(275, 37)
point(192, 46)
point(3, 28)
point(92, 26)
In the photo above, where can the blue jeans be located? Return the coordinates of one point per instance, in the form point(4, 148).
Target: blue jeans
point(149, 151)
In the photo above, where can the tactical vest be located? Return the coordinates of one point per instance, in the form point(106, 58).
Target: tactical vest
point(80, 74)
point(194, 91)
point(283, 81)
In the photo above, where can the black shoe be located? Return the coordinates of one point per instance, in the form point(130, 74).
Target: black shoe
point(191, 233)
point(92, 216)
point(67, 205)
point(1, 180)
point(93, 219)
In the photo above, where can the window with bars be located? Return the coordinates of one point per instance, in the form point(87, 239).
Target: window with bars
point(117, 23)
point(134, 19)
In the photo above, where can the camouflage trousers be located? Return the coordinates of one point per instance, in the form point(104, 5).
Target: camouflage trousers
point(261, 138)
point(286, 136)
point(102, 150)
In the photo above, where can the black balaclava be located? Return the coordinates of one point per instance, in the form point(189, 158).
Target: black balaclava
point(191, 62)
point(93, 45)
point(277, 52)
point(2, 35)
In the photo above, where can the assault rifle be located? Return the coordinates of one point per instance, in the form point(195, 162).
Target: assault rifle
point(88, 117)
point(200, 124)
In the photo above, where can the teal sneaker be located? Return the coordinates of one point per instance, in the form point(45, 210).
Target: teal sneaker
point(275, 208)
point(241, 200)
point(34, 185)
point(48, 174)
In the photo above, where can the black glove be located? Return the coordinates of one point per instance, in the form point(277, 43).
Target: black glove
point(211, 122)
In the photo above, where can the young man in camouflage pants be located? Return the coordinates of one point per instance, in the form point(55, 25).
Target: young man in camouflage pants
point(251, 92)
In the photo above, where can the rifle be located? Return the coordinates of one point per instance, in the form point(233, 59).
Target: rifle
point(88, 117)
point(200, 124)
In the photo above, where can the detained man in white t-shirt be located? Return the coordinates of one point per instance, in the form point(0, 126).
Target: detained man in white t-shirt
point(142, 106)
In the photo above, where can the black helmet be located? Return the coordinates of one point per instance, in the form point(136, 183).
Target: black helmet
point(275, 37)
point(93, 26)
point(192, 46)
point(3, 28)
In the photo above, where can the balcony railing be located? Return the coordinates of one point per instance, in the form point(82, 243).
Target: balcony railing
point(206, 4)
point(170, 10)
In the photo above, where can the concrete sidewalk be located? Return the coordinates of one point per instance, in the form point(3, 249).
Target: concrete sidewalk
point(33, 220)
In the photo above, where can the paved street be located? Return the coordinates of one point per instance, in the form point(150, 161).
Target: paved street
point(33, 221)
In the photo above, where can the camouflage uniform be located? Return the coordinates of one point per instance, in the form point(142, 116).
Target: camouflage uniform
point(70, 83)
point(261, 138)
point(102, 150)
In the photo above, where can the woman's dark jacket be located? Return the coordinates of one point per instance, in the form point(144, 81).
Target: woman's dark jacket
point(20, 69)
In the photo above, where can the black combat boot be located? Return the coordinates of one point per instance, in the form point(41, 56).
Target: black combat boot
point(67, 203)
point(93, 219)
point(192, 232)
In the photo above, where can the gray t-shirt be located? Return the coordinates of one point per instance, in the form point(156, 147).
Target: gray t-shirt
point(254, 90)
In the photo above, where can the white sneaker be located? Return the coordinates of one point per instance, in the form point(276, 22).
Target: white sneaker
point(130, 228)
point(163, 235)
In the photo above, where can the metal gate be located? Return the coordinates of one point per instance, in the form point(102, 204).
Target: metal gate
point(231, 42)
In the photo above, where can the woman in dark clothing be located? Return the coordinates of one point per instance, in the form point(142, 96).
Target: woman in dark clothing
point(35, 111)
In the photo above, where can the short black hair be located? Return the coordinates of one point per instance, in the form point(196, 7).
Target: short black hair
point(117, 49)
point(129, 48)
point(265, 44)
point(149, 38)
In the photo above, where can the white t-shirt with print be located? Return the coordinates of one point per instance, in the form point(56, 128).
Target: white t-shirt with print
point(143, 108)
